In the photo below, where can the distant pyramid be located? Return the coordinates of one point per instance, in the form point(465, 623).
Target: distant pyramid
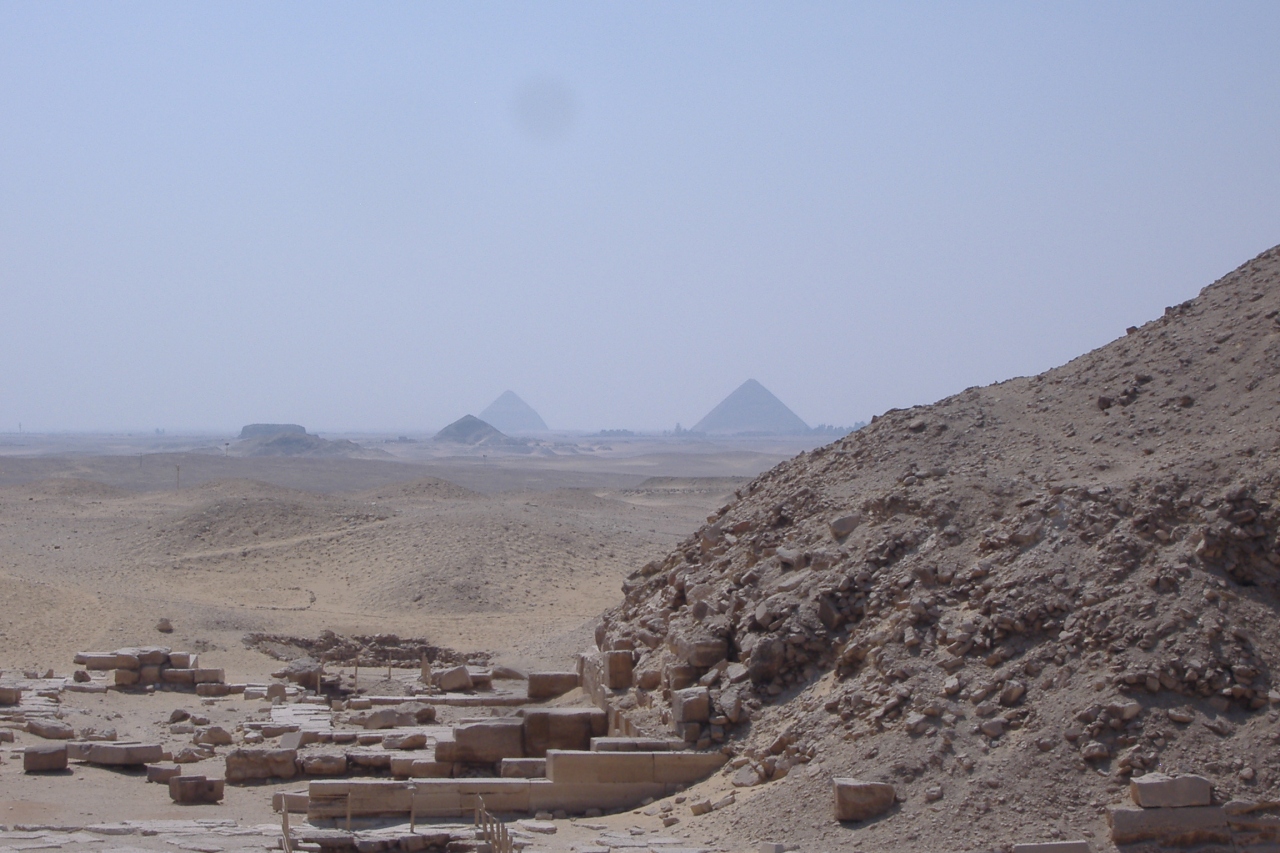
point(469, 429)
point(751, 408)
point(512, 415)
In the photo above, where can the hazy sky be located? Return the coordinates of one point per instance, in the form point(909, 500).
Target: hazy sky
point(380, 216)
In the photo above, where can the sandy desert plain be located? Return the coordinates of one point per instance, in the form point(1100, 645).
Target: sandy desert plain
point(511, 556)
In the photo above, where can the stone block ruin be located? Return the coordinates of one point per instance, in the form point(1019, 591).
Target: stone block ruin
point(365, 757)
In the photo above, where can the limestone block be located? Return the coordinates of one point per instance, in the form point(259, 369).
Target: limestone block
point(162, 774)
point(126, 659)
point(548, 685)
point(633, 744)
point(618, 668)
point(422, 712)
point(172, 675)
point(294, 802)
point(213, 736)
point(455, 679)
point(411, 767)
point(10, 695)
point(844, 525)
point(277, 690)
point(500, 795)
point(545, 795)
point(1182, 827)
point(213, 689)
point(209, 676)
point(127, 677)
point(702, 652)
point(523, 768)
point(859, 800)
point(677, 676)
point(195, 790)
point(50, 729)
point(297, 739)
point(1080, 846)
point(488, 742)
point(481, 677)
point(371, 798)
point(685, 768)
point(384, 718)
point(260, 763)
point(372, 759)
point(44, 758)
point(324, 764)
point(183, 660)
point(1156, 790)
point(117, 754)
point(562, 728)
point(100, 661)
point(277, 729)
point(691, 705)
point(409, 740)
point(599, 767)
point(153, 656)
point(6, 736)
point(149, 674)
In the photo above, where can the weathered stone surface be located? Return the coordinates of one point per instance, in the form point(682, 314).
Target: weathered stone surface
point(702, 652)
point(195, 790)
point(411, 740)
point(173, 675)
point(152, 655)
point(298, 739)
point(213, 736)
point(324, 764)
point(523, 768)
point(50, 729)
point(1177, 827)
point(384, 718)
point(485, 742)
point(208, 676)
point(126, 677)
point(412, 767)
point(618, 669)
point(183, 660)
point(261, 763)
point(453, 680)
point(100, 661)
point(373, 759)
point(844, 525)
point(213, 689)
point(691, 705)
point(859, 800)
point(548, 685)
point(44, 758)
point(1156, 790)
point(119, 754)
point(162, 773)
point(561, 728)
point(10, 695)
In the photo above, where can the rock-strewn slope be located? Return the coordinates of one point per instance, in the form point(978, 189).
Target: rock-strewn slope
point(1003, 603)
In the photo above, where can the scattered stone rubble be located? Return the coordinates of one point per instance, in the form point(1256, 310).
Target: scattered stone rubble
point(1069, 575)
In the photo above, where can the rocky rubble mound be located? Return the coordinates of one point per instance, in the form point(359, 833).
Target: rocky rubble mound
point(1006, 603)
point(376, 650)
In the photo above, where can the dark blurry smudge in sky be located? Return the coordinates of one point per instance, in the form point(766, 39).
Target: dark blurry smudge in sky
point(545, 108)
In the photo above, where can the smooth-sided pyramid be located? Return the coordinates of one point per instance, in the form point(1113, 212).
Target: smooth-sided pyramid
point(512, 415)
point(751, 409)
